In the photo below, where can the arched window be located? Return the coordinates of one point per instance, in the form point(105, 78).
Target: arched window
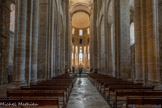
point(132, 38)
point(88, 56)
point(80, 32)
point(88, 31)
point(80, 57)
point(12, 17)
point(73, 31)
point(88, 53)
point(76, 48)
point(72, 56)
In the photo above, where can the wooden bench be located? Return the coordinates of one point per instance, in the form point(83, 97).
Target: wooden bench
point(60, 81)
point(29, 102)
point(113, 88)
point(58, 88)
point(122, 95)
point(143, 100)
point(39, 93)
point(48, 88)
point(68, 85)
point(107, 85)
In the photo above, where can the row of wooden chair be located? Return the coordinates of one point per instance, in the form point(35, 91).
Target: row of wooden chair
point(126, 94)
point(52, 93)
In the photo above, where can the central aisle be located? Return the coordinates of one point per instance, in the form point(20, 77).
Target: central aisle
point(85, 95)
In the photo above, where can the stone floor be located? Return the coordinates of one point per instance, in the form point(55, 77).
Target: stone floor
point(85, 95)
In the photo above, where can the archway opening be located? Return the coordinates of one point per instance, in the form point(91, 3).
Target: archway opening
point(81, 33)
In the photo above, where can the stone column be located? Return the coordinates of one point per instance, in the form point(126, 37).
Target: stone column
point(95, 53)
point(113, 36)
point(69, 25)
point(125, 60)
point(67, 37)
point(55, 37)
point(4, 40)
point(52, 41)
point(42, 39)
point(49, 39)
point(58, 46)
point(91, 46)
point(34, 56)
point(138, 45)
point(88, 60)
point(116, 12)
point(144, 74)
point(85, 56)
point(78, 56)
point(109, 51)
point(62, 47)
point(102, 47)
point(20, 42)
point(74, 56)
point(160, 35)
point(29, 41)
point(54, 49)
point(153, 71)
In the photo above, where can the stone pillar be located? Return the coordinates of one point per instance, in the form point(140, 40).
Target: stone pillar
point(20, 42)
point(95, 52)
point(138, 42)
point(160, 35)
point(113, 37)
point(78, 54)
point(91, 45)
point(153, 70)
point(62, 47)
point(102, 47)
point(29, 41)
point(116, 12)
point(52, 39)
point(34, 56)
point(70, 37)
point(88, 58)
point(144, 74)
point(67, 37)
point(76, 57)
point(58, 46)
point(49, 39)
point(125, 60)
point(42, 39)
point(109, 51)
point(85, 57)
point(55, 39)
point(4, 40)
point(87, 52)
